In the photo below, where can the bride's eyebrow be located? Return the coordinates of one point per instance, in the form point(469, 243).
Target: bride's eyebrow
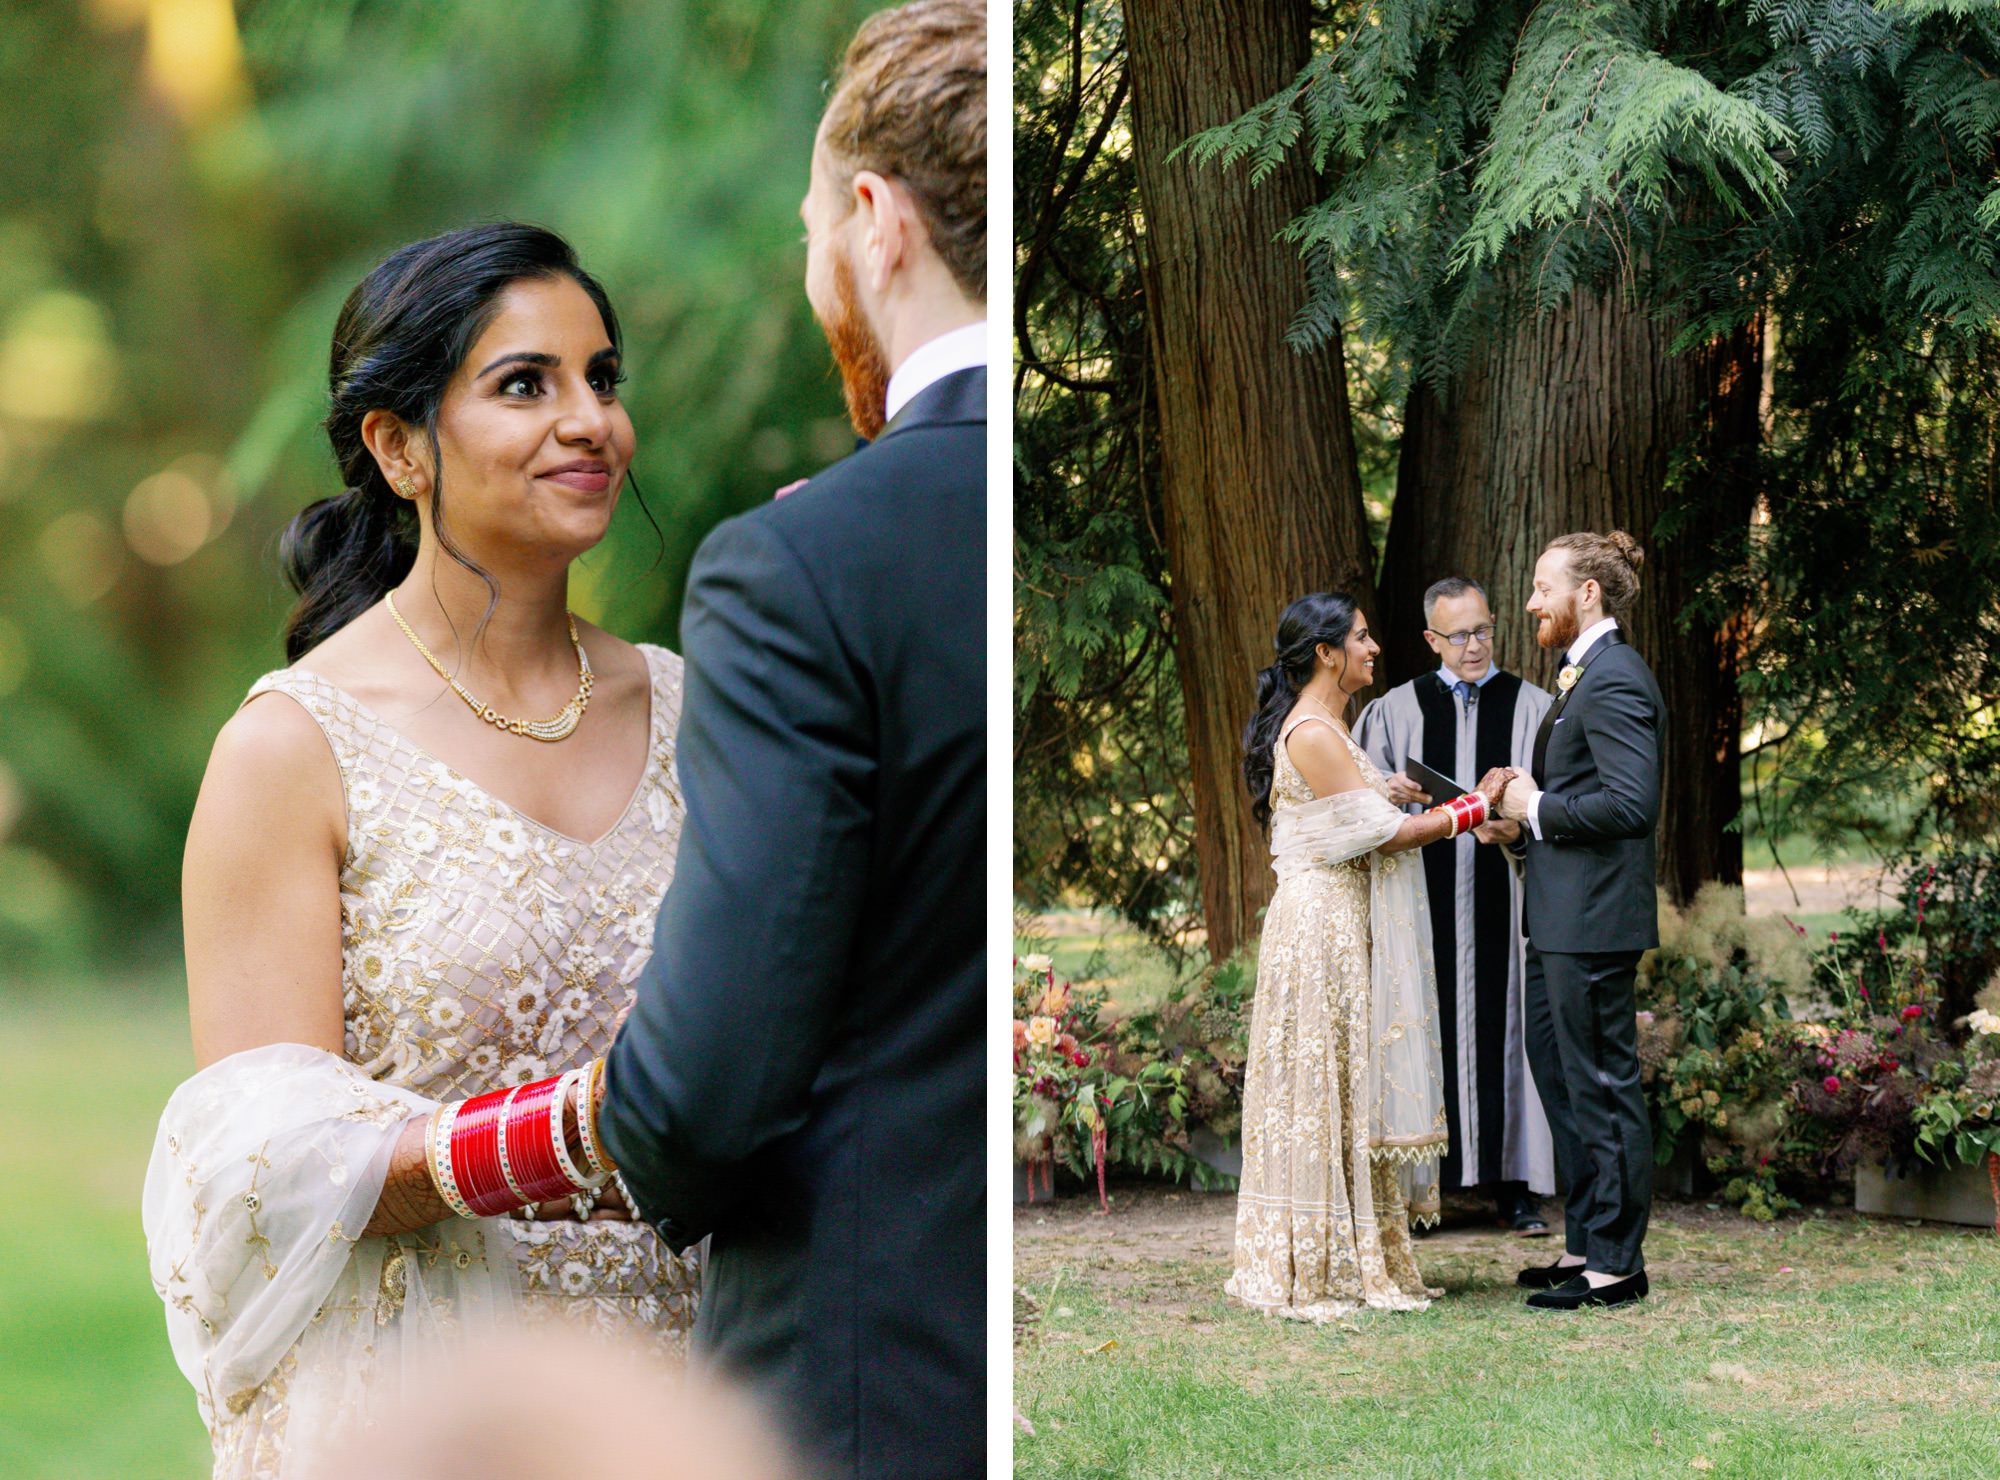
point(547, 361)
point(520, 357)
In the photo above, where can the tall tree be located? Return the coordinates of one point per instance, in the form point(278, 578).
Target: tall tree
point(1258, 484)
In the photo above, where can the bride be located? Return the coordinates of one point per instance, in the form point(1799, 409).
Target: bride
point(1343, 1109)
point(407, 886)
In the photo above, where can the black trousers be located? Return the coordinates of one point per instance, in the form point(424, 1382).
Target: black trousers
point(1583, 1049)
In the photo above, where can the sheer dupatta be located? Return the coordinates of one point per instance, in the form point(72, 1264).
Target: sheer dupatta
point(1406, 1115)
point(265, 1171)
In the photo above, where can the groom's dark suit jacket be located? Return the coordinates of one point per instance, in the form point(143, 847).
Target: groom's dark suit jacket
point(802, 1075)
point(1589, 883)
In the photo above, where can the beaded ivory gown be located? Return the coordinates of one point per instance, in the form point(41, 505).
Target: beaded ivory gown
point(480, 949)
point(1322, 1227)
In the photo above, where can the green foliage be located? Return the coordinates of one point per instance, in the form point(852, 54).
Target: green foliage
point(171, 262)
point(1102, 806)
point(1595, 123)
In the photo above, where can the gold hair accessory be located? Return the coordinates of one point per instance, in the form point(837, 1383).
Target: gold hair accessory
point(560, 728)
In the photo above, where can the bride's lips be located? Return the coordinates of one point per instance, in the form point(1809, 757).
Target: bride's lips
point(587, 475)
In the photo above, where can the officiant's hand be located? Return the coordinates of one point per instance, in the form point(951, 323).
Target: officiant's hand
point(1403, 791)
point(1498, 832)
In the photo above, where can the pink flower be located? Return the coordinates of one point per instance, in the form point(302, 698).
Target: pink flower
point(1912, 1011)
point(1831, 1084)
point(1082, 1059)
point(1833, 935)
point(1882, 942)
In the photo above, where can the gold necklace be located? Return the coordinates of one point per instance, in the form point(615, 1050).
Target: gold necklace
point(1339, 724)
point(560, 728)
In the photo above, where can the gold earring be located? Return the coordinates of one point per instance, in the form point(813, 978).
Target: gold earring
point(406, 486)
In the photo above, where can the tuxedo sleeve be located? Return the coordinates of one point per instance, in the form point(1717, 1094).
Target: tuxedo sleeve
point(776, 755)
point(1622, 729)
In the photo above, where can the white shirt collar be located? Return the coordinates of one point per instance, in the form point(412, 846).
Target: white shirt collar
point(1451, 680)
point(930, 362)
point(1587, 640)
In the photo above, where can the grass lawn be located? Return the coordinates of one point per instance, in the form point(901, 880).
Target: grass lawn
point(88, 1387)
point(1821, 1346)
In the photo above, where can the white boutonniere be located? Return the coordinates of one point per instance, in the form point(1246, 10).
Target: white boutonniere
point(1566, 680)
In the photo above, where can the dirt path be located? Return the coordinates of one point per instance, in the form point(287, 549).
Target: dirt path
point(1822, 889)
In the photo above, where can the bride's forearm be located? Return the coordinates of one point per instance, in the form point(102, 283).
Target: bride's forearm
point(1418, 831)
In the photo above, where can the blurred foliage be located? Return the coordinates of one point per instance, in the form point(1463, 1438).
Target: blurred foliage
point(187, 195)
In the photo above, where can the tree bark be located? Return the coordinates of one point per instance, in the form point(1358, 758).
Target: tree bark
point(1573, 420)
point(1260, 494)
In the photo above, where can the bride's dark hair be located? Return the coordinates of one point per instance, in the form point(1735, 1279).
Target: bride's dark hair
point(1323, 617)
point(401, 335)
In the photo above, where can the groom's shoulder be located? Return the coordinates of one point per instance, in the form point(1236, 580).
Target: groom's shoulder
point(914, 476)
point(922, 487)
point(1624, 665)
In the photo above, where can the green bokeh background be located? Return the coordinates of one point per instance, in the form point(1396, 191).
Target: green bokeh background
point(188, 190)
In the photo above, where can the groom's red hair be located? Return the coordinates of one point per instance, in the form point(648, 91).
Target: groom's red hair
point(910, 103)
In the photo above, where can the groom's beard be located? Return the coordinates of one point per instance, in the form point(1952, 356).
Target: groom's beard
point(1562, 626)
point(864, 369)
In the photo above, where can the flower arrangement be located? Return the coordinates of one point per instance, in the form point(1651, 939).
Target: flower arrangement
point(1071, 1103)
point(1715, 1034)
point(1959, 1120)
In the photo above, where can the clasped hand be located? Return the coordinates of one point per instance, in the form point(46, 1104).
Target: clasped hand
point(1507, 802)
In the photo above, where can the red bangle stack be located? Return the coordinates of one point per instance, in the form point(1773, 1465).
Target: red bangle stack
point(1466, 812)
point(497, 1151)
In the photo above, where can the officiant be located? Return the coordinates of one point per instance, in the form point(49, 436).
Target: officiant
point(1461, 719)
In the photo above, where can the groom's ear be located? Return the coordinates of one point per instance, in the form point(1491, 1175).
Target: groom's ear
point(887, 222)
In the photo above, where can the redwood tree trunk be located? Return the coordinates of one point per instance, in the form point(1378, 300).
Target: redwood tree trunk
point(1260, 496)
point(1570, 421)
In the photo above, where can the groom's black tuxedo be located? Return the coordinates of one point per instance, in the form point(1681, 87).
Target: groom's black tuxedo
point(1590, 911)
point(802, 1075)
point(1589, 886)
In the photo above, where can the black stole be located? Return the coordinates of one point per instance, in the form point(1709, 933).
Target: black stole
point(1492, 922)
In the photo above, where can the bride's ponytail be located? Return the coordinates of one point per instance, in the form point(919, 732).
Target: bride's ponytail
point(1324, 617)
point(341, 554)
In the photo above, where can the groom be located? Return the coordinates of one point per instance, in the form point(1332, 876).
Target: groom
point(1590, 806)
point(802, 1078)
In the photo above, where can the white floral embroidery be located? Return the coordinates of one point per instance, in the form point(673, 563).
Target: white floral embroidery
point(659, 810)
point(446, 1014)
point(420, 837)
point(364, 795)
point(505, 836)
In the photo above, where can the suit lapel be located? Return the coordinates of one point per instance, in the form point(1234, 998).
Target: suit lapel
point(1614, 638)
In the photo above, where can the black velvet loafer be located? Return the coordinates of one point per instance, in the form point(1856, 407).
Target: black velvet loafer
point(1547, 1276)
point(1579, 1293)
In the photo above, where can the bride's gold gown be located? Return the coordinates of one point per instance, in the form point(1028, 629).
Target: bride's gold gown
point(1321, 1227)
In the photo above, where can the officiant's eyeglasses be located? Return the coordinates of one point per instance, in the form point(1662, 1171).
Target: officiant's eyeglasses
point(1460, 639)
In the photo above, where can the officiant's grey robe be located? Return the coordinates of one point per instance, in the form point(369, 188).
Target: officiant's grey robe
point(1498, 1131)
